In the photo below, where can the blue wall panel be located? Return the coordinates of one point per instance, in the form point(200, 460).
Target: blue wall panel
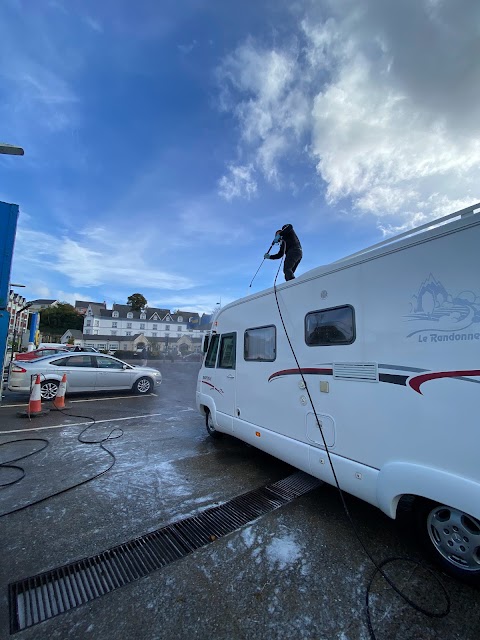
point(8, 228)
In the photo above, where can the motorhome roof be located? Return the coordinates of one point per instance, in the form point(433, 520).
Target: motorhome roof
point(432, 224)
point(422, 233)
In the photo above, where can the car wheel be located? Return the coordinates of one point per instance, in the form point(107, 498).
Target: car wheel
point(48, 389)
point(143, 385)
point(452, 539)
point(210, 426)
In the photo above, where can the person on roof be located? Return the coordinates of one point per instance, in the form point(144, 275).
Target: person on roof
point(290, 247)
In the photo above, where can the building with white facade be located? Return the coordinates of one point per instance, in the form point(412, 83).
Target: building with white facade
point(18, 322)
point(159, 330)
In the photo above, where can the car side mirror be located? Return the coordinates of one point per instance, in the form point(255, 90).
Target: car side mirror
point(125, 366)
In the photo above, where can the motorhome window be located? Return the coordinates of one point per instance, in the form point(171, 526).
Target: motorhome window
point(211, 358)
point(330, 326)
point(259, 344)
point(226, 359)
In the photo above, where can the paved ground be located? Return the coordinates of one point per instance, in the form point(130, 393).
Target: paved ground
point(297, 572)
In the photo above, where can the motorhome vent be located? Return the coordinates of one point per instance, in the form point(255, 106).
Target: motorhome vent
point(366, 371)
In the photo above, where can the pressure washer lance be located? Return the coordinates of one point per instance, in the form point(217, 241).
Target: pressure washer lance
point(269, 249)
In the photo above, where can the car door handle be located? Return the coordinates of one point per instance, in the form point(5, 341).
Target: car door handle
point(230, 376)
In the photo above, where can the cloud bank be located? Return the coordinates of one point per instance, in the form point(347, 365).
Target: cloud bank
point(381, 98)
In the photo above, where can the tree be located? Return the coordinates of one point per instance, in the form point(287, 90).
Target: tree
point(137, 301)
point(57, 320)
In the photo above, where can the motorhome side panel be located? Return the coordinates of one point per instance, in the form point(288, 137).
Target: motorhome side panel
point(401, 395)
point(271, 397)
point(419, 317)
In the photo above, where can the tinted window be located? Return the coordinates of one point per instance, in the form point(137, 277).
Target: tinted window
point(330, 326)
point(79, 361)
point(61, 362)
point(212, 351)
point(226, 359)
point(107, 363)
point(259, 344)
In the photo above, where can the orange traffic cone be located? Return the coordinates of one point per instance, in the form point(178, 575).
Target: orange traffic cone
point(59, 402)
point(35, 402)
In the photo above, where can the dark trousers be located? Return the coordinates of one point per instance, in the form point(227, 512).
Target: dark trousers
point(292, 260)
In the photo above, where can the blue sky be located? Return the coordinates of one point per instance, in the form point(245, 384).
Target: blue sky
point(166, 141)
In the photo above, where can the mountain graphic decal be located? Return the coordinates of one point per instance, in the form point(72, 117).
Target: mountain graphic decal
point(434, 308)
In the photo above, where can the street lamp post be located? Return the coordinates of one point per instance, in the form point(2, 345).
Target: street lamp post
point(11, 149)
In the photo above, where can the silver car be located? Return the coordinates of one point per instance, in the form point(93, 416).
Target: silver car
point(85, 372)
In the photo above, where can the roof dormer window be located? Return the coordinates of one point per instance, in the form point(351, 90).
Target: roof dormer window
point(129, 314)
point(180, 319)
point(143, 316)
point(115, 314)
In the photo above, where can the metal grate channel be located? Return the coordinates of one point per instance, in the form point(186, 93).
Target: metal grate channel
point(49, 594)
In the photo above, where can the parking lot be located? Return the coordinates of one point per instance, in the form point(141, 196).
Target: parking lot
point(296, 572)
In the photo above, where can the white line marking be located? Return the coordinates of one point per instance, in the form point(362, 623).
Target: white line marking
point(80, 424)
point(5, 406)
point(109, 398)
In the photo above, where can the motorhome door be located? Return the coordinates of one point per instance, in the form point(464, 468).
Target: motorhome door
point(225, 375)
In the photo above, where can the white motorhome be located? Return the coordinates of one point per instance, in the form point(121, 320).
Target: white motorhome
point(387, 345)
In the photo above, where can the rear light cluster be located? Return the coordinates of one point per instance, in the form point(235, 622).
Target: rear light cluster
point(16, 368)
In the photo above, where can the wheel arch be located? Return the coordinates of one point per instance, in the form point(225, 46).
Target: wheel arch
point(207, 405)
point(54, 377)
point(45, 379)
point(399, 479)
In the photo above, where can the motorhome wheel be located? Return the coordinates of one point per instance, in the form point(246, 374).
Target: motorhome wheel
point(453, 539)
point(210, 426)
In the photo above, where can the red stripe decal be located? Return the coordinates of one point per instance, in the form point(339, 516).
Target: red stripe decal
point(416, 382)
point(291, 372)
point(212, 386)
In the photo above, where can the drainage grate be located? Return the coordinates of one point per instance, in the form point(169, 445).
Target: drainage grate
point(48, 594)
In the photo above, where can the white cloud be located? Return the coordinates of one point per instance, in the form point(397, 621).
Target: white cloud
point(259, 86)
point(187, 48)
point(201, 303)
point(109, 264)
point(436, 206)
point(371, 141)
point(95, 25)
point(240, 181)
point(38, 94)
point(382, 98)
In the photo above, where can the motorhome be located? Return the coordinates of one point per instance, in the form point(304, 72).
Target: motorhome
point(375, 361)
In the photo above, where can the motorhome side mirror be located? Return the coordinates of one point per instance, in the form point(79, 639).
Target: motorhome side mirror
point(206, 340)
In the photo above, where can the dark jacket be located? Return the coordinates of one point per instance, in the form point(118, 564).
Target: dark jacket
point(289, 242)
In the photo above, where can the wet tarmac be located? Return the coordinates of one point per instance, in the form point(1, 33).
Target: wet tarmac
point(297, 572)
